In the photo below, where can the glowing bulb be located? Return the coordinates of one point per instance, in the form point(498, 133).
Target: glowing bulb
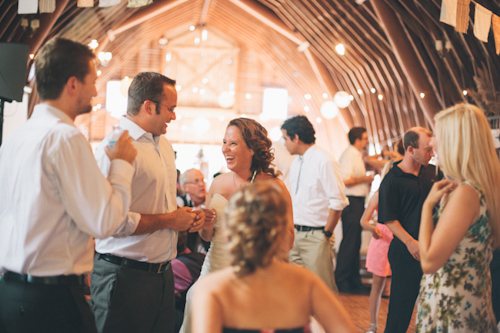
point(373, 90)
point(422, 95)
point(306, 108)
point(380, 97)
point(325, 95)
point(192, 28)
point(340, 49)
point(248, 96)
point(195, 89)
point(319, 120)
point(307, 96)
point(360, 92)
point(464, 92)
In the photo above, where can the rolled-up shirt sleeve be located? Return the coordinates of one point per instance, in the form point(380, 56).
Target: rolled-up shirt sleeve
point(334, 185)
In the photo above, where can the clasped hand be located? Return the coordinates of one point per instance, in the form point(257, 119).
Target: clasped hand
point(439, 190)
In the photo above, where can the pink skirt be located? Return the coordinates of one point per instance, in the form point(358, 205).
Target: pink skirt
point(376, 258)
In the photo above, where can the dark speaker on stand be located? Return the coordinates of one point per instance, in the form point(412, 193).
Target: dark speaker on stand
point(13, 67)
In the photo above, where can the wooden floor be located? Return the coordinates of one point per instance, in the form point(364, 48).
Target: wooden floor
point(358, 307)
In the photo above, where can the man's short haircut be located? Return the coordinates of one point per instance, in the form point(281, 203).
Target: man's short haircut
point(412, 135)
point(356, 133)
point(146, 86)
point(183, 178)
point(301, 126)
point(58, 60)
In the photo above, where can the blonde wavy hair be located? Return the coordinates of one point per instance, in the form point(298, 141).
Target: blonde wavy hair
point(466, 153)
point(256, 220)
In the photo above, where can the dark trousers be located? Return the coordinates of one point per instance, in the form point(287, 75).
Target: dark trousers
point(131, 300)
point(405, 287)
point(347, 269)
point(28, 307)
point(495, 283)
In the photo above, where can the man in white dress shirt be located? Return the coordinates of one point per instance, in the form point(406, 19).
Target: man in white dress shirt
point(318, 198)
point(357, 187)
point(132, 287)
point(54, 199)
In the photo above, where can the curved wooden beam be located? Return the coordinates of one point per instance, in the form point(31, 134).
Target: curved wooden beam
point(408, 60)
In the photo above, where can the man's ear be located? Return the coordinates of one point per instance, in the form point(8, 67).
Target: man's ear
point(295, 138)
point(71, 85)
point(411, 150)
point(149, 107)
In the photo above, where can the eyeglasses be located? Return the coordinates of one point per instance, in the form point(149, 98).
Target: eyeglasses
point(171, 109)
point(196, 182)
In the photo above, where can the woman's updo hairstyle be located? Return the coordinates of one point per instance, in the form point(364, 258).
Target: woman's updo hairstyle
point(256, 218)
point(255, 136)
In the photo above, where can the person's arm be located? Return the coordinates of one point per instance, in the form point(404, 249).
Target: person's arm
point(97, 205)
point(333, 219)
point(462, 209)
point(367, 215)
point(208, 230)
point(290, 234)
point(328, 310)
point(403, 235)
point(206, 310)
point(179, 220)
point(357, 180)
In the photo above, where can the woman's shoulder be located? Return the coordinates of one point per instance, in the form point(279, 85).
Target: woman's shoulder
point(216, 280)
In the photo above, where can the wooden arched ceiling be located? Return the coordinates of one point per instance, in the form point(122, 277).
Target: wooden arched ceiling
point(390, 46)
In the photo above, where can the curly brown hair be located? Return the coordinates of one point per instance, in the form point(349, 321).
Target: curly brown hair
point(256, 218)
point(255, 136)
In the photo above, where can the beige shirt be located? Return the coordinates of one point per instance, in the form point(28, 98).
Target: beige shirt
point(153, 192)
point(352, 165)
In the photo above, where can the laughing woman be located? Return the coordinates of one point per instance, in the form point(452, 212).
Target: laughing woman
point(456, 246)
point(246, 149)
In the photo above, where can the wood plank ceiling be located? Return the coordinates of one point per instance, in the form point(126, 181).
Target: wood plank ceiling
point(295, 40)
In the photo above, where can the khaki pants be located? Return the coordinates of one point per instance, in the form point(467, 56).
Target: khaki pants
point(313, 250)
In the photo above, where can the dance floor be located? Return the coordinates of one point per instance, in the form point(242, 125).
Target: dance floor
point(358, 307)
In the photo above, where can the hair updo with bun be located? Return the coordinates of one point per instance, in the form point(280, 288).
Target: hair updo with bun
point(256, 218)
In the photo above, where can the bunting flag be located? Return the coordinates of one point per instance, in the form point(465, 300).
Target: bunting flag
point(108, 3)
point(85, 3)
point(496, 31)
point(27, 7)
point(482, 23)
point(463, 9)
point(449, 12)
point(47, 6)
point(138, 3)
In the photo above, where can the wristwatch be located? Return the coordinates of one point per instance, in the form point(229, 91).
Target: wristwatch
point(328, 233)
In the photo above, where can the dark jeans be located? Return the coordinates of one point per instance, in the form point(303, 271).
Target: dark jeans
point(347, 269)
point(131, 300)
point(27, 307)
point(405, 286)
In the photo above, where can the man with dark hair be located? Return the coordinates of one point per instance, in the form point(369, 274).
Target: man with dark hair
point(54, 199)
point(318, 198)
point(357, 183)
point(132, 287)
point(401, 197)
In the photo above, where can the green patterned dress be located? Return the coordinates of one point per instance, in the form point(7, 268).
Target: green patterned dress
point(457, 298)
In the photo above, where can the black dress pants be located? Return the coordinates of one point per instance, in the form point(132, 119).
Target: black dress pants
point(28, 307)
point(405, 287)
point(347, 269)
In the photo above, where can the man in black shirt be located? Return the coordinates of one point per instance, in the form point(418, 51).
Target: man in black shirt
point(401, 196)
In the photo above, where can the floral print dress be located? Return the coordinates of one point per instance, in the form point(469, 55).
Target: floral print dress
point(457, 298)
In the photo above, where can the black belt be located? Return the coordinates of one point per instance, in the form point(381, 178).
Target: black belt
point(52, 280)
point(306, 228)
point(130, 263)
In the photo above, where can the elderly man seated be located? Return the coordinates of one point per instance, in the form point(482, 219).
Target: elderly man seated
point(193, 183)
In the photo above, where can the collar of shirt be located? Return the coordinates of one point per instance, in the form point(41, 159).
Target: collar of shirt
point(43, 110)
point(136, 132)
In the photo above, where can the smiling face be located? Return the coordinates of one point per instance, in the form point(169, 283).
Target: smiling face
point(236, 152)
point(164, 112)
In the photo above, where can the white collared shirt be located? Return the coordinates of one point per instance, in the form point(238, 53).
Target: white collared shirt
point(53, 196)
point(153, 192)
point(320, 187)
point(352, 165)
